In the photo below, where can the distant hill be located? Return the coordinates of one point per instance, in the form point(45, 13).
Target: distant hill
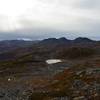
point(7, 45)
point(80, 39)
point(49, 41)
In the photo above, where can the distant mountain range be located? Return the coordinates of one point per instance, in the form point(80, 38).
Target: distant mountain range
point(47, 48)
point(7, 45)
point(63, 40)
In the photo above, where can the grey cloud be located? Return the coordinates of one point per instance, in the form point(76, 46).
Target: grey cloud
point(55, 18)
point(88, 4)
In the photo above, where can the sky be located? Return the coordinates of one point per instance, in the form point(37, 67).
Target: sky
point(38, 19)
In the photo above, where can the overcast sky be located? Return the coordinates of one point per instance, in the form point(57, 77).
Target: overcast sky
point(37, 19)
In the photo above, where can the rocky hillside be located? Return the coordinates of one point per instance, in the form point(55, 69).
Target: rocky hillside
point(25, 74)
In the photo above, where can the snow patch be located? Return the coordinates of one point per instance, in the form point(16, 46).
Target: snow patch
point(53, 61)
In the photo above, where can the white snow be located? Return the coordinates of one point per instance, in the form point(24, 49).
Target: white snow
point(53, 61)
point(9, 79)
point(24, 39)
